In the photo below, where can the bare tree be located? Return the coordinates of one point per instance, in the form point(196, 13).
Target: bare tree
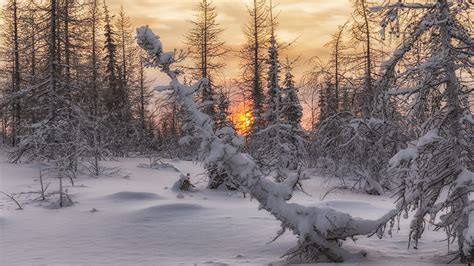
point(337, 48)
point(206, 51)
point(256, 33)
point(364, 34)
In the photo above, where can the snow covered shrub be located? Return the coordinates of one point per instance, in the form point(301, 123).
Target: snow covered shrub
point(64, 201)
point(14, 199)
point(280, 150)
point(429, 167)
point(188, 144)
point(325, 166)
point(218, 176)
point(358, 149)
point(155, 162)
point(280, 146)
point(183, 184)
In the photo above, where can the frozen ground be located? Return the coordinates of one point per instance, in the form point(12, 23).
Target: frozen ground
point(141, 221)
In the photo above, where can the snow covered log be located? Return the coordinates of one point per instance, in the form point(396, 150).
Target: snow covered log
point(320, 230)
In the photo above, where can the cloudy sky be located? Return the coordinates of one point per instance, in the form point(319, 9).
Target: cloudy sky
point(310, 22)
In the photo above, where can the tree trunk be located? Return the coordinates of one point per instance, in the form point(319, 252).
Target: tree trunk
point(368, 92)
point(16, 76)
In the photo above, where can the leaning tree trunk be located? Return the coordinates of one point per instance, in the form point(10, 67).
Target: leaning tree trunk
point(320, 230)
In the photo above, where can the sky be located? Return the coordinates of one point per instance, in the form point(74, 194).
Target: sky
point(309, 22)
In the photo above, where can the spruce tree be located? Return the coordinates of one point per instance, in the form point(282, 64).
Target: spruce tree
point(292, 113)
point(273, 84)
point(115, 95)
point(292, 109)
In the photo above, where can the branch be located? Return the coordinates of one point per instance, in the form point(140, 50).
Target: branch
point(20, 206)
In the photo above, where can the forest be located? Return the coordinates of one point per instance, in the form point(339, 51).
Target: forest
point(386, 115)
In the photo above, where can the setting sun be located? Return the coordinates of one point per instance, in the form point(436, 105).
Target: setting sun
point(242, 119)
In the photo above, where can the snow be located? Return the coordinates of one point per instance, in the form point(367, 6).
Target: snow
point(167, 58)
point(135, 218)
point(146, 38)
point(428, 138)
point(125, 196)
point(403, 155)
point(469, 232)
point(411, 153)
point(465, 178)
point(468, 117)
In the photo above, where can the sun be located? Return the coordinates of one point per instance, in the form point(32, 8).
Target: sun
point(242, 119)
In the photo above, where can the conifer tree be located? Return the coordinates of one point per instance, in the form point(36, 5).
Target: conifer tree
point(223, 113)
point(278, 147)
point(128, 63)
point(115, 95)
point(206, 51)
point(273, 84)
point(110, 48)
point(337, 58)
point(292, 109)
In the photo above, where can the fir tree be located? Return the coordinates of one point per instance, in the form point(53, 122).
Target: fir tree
point(273, 84)
point(292, 109)
point(116, 96)
point(292, 113)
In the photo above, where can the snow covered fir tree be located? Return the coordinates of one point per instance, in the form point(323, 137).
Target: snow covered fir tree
point(255, 132)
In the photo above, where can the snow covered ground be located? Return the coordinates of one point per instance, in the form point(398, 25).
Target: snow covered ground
point(141, 221)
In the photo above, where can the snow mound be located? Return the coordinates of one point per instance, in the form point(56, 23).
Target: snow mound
point(133, 196)
point(166, 211)
point(354, 207)
point(172, 208)
point(346, 204)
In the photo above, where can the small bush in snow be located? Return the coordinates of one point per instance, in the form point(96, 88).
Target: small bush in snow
point(183, 184)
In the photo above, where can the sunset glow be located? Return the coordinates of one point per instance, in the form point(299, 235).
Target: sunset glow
point(242, 119)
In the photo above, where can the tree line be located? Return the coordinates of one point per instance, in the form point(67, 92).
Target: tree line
point(72, 61)
point(73, 88)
